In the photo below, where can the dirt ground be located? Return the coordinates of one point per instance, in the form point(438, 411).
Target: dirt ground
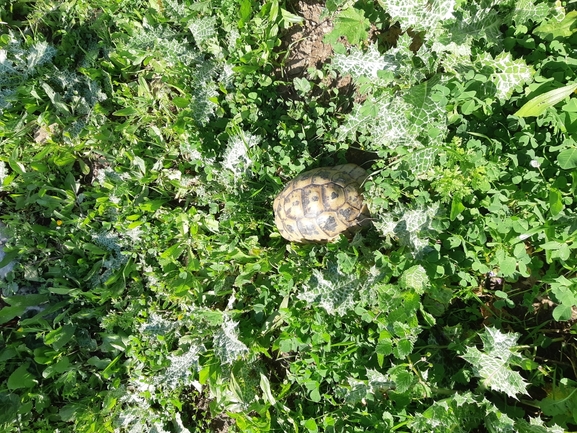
point(304, 42)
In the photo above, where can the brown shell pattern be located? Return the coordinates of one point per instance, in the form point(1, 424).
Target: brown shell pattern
point(320, 204)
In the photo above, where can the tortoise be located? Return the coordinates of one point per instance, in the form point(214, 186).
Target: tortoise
point(320, 204)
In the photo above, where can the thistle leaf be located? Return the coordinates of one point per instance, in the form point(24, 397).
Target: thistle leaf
point(227, 346)
point(508, 74)
point(493, 364)
point(419, 14)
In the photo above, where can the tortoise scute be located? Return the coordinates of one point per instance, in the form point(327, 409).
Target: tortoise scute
point(320, 204)
point(333, 196)
point(327, 223)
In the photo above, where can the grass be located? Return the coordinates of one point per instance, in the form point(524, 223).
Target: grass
point(142, 146)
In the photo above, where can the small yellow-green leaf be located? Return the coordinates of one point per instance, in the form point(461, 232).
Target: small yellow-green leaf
point(539, 104)
point(554, 29)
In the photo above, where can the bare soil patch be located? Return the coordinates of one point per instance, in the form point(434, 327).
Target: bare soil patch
point(303, 43)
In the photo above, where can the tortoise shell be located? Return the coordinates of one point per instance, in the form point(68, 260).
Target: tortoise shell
point(320, 204)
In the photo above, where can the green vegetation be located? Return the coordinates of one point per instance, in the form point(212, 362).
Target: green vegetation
point(142, 145)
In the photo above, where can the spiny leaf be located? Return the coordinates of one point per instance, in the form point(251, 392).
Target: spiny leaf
point(361, 64)
point(508, 73)
point(419, 14)
point(493, 364)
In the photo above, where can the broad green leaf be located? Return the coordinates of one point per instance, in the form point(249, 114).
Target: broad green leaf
point(352, 24)
point(288, 18)
point(456, 207)
point(59, 337)
point(311, 425)
point(561, 402)
point(539, 104)
point(69, 412)
point(265, 387)
point(180, 102)
point(57, 368)
point(128, 111)
point(21, 378)
point(555, 201)
point(551, 245)
point(404, 348)
point(566, 296)
point(567, 159)
point(32, 300)
point(9, 313)
point(562, 312)
point(8, 258)
point(171, 255)
point(508, 266)
point(245, 12)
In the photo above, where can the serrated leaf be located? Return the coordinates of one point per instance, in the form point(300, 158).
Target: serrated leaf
point(493, 364)
point(419, 14)
point(415, 278)
point(460, 413)
point(508, 73)
point(403, 381)
point(227, 346)
point(352, 24)
point(203, 29)
point(332, 289)
point(360, 64)
point(403, 349)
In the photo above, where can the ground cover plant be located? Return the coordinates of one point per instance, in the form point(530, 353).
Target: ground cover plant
point(145, 287)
